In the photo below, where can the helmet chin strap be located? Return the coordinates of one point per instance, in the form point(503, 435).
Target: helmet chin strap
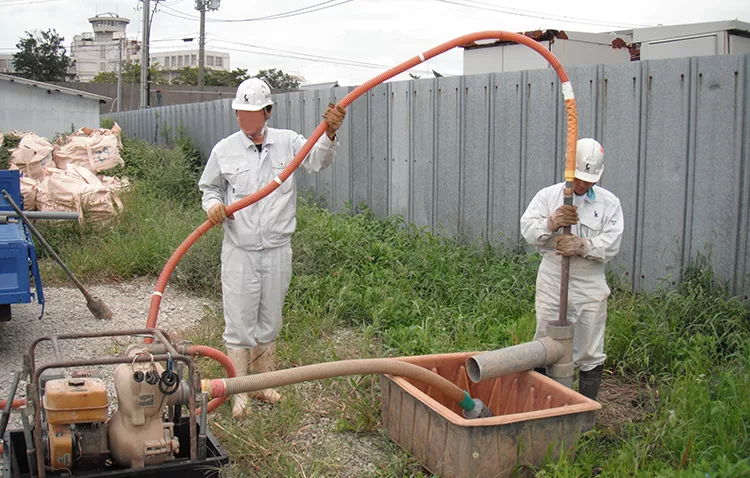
point(263, 131)
point(259, 135)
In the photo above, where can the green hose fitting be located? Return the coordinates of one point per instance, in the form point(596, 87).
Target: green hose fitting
point(467, 403)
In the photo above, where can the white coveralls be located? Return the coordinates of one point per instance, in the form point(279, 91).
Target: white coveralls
point(601, 223)
point(256, 254)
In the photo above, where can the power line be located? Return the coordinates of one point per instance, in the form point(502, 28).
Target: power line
point(270, 17)
point(302, 56)
point(26, 3)
point(309, 55)
point(531, 14)
point(277, 55)
point(176, 38)
point(291, 13)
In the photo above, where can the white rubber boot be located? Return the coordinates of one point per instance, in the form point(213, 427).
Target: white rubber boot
point(262, 359)
point(239, 400)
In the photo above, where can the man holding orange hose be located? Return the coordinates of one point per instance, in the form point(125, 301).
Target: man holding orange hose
point(596, 232)
point(256, 255)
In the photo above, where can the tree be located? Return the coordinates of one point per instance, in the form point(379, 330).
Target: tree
point(42, 56)
point(106, 77)
point(189, 76)
point(226, 78)
point(131, 73)
point(278, 80)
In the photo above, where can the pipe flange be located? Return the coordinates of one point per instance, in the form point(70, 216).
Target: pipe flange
point(559, 332)
point(560, 370)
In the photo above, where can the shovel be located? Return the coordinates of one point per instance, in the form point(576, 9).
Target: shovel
point(95, 304)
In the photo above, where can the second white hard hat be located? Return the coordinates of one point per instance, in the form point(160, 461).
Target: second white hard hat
point(253, 94)
point(589, 160)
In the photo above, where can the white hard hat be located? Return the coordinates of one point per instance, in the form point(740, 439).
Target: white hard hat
point(253, 94)
point(589, 160)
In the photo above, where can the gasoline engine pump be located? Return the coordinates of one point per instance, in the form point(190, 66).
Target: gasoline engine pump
point(80, 432)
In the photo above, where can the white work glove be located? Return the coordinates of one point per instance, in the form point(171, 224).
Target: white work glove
point(218, 213)
point(570, 245)
point(565, 215)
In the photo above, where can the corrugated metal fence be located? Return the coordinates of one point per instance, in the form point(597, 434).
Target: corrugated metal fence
point(465, 155)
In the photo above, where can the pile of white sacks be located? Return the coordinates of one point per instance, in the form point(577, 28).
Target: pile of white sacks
point(66, 175)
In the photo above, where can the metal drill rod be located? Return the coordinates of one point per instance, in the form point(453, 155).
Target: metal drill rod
point(52, 216)
point(38, 235)
point(9, 405)
point(203, 424)
point(95, 305)
point(30, 450)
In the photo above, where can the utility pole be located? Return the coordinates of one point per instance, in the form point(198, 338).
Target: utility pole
point(145, 61)
point(202, 6)
point(202, 47)
point(119, 75)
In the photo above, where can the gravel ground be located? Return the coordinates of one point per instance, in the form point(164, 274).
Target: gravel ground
point(66, 312)
point(351, 454)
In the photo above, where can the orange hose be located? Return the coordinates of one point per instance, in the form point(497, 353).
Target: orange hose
point(212, 353)
point(570, 108)
point(17, 403)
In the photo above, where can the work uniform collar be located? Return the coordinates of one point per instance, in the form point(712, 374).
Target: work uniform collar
point(590, 195)
point(270, 138)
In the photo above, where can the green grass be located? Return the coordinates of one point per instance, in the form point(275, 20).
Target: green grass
point(161, 209)
point(9, 142)
point(420, 294)
point(365, 287)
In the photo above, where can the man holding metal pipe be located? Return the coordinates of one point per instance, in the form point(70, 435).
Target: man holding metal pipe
point(596, 231)
point(256, 254)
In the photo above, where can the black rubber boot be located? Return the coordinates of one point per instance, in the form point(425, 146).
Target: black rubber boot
point(589, 382)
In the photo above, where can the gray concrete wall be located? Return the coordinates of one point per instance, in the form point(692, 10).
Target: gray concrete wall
point(171, 94)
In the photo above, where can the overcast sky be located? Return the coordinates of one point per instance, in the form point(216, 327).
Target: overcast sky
point(377, 32)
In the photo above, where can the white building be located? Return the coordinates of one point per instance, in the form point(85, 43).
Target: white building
point(697, 39)
point(571, 48)
point(171, 62)
point(6, 63)
point(98, 51)
point(578, 48)
point(46, 109)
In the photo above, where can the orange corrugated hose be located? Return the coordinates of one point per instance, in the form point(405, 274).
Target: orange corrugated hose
point(17, 403)
point(219, 356)
point(572, 123)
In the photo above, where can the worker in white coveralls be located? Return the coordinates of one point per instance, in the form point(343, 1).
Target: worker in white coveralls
point(596, 231)
point(256, 255)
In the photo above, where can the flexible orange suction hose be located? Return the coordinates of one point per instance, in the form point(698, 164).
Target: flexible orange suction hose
point(212, 353)
point(570, 108)
point(17, 403)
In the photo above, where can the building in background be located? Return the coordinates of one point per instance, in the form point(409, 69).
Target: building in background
point(319, 86)
point(171, 62)
point(99, 51)
point(571, 48)
point(623, 46)
point(696, 39)
point(6, 64)
point(46, 109)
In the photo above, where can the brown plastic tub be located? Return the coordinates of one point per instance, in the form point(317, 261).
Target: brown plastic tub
point(532, 415)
